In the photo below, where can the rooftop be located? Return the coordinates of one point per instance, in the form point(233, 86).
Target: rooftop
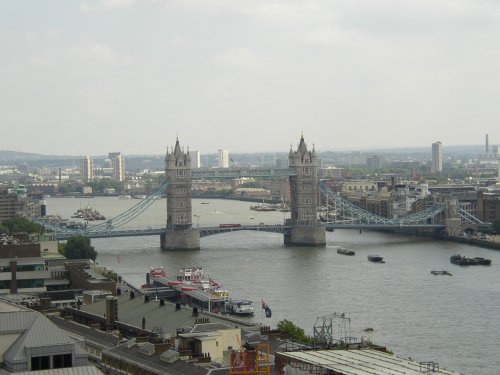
point(361, 362)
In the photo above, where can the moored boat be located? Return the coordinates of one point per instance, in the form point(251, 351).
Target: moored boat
point(241, 307)
point(376, 259)
point(345, 251)
point(464, 261)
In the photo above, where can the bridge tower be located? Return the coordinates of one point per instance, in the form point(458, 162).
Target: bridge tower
point(306, 230)
point(179, 233)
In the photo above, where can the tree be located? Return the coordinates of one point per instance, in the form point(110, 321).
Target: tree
point(78, 247)
point(20, 224)
point(294, 332)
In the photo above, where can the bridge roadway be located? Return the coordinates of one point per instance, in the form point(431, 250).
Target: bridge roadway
point(209, 231)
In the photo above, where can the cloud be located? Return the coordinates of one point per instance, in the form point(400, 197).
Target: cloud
point(240, 58)
point(105, 4)
point(92, 51)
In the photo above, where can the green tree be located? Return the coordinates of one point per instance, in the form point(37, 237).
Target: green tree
point(294, 332)
point(105, 183)
point(78, 247)
point(70, 187)
point(21, 224)
point(4, 229)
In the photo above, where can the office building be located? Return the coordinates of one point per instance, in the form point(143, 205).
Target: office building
point(118, 165)
point(87, 169)
point(223, 158)
point(10, 204)
point(437, 158)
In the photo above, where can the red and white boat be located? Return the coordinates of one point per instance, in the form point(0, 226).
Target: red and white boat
point(155, 273)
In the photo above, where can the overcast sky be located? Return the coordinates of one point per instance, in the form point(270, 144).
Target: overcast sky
point(91, 77)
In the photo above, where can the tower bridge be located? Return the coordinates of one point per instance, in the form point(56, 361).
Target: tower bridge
point(302, 229)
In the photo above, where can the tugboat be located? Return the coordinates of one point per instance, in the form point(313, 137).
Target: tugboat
point(376, 259)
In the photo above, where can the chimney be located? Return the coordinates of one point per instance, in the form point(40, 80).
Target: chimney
point(111, 311)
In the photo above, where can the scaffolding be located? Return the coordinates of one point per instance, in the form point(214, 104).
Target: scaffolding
point(251, 362)
point(324, 334)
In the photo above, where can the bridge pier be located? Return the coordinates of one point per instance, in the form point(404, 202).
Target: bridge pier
point(180, 240)
point(306, 236)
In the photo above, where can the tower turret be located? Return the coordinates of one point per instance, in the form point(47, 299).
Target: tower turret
point(306, 230)
point(179, 231)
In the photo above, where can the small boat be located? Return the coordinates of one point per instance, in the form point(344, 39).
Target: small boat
point(376, 259)
point(443, 272)
point(241, 307)
point(205, 202)
point(345, 251)
point(368, 329)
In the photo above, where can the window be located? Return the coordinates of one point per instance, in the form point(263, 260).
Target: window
point(40, 363)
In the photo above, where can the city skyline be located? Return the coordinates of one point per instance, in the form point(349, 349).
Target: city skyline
point(80, 76)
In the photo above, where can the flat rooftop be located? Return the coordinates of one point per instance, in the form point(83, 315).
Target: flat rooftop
point(361, 362)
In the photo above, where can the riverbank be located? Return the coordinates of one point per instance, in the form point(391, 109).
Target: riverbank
point(493, 242)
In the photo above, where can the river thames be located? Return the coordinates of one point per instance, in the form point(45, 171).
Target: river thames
point(452, 320)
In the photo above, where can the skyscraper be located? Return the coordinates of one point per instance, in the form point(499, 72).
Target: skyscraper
point(437, 158)
point(87, 169)
point(118, 165)
point(223, 158)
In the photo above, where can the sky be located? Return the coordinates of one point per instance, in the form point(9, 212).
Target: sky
point(97, 76)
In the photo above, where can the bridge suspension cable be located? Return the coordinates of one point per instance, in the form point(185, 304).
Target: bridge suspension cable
point(115, 222)
point(357, 214)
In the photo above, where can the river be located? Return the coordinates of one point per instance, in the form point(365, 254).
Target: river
point(451, 320)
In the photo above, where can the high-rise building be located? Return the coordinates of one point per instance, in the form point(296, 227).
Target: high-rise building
point(437, 158)
point(487, 145)
point(118, 165)
point(195, 159)
point(87, 168)
point(223, 158)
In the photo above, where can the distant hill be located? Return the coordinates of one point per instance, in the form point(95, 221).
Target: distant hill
point(24, 156)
